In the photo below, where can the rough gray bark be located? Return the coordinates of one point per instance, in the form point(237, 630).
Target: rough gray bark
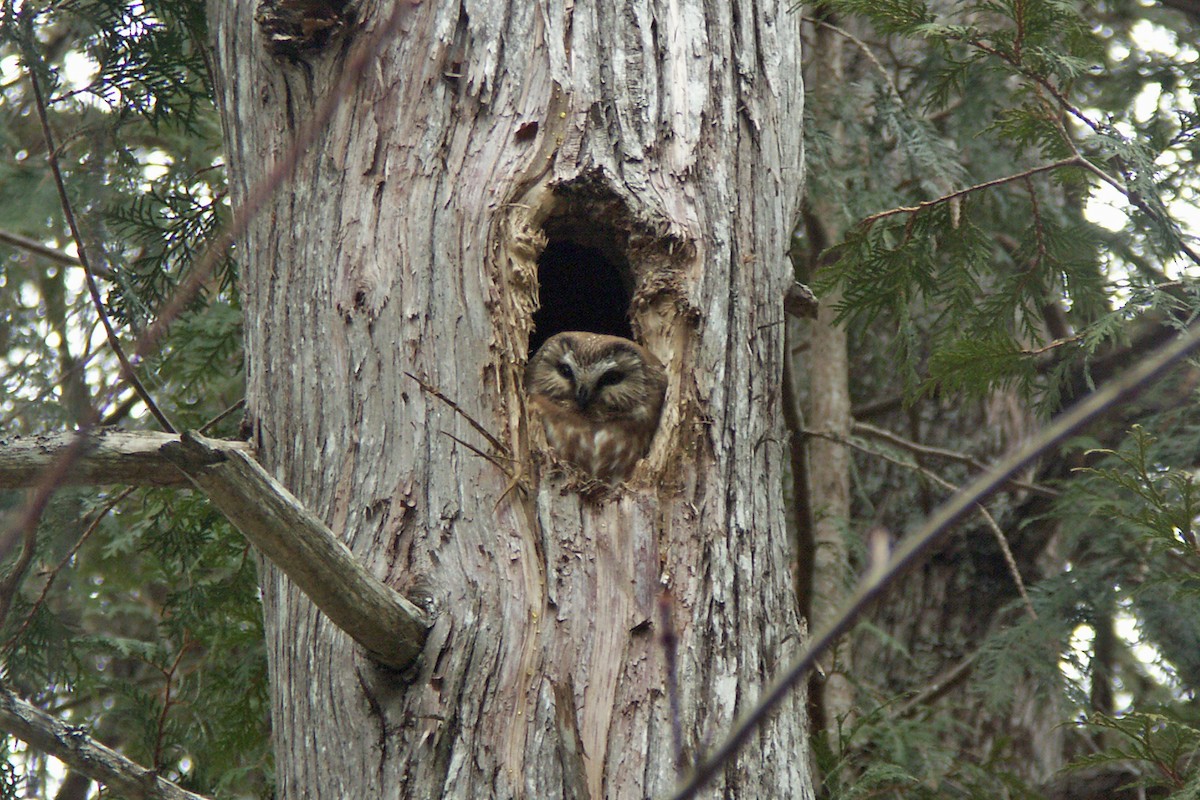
point(407, 243)
point(110, 456)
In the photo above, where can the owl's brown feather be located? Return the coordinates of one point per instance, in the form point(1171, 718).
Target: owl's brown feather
point(599, 398)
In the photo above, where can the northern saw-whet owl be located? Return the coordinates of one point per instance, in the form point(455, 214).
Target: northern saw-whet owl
point(599, 398)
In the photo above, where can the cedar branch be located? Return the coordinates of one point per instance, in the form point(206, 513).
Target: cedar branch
point(917, 546)
point(84, 754)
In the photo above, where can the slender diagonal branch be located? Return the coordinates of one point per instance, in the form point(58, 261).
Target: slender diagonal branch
point(1073, 161)
point(59, 567)
point(64, 198)
point(875, 432)
point(82, 753)
point(38, 249)
point(862, 46)
point(917, 546)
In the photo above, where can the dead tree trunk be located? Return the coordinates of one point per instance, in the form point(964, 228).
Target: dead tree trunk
point(642, 158)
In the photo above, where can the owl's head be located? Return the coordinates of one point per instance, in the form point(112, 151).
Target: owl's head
point(601, 377)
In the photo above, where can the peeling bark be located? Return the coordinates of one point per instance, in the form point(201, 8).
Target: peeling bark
point(668, 137)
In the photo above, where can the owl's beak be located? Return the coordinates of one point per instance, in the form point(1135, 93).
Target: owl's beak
point(583, 395)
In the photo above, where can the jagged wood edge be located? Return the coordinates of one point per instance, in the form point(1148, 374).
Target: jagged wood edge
point(389, 627)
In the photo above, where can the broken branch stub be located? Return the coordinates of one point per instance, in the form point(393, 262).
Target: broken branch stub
point(389, 627)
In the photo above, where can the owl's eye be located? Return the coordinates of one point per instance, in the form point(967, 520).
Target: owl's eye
point(566, 371)
point(610, 378)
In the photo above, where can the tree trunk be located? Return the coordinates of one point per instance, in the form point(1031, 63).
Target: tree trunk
point(666, 140)
point(825, 364)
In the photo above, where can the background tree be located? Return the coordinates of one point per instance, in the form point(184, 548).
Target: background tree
point(965, 156)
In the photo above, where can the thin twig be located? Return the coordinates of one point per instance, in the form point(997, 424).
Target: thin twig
point(1136, 201)
point(938, 686)
point(988, 519)
point(1057, 343)
point(169, 677)
point(83, 537)
point(861, 45)
point(493, 460)
point(1040, 80)
point(114, 341)
point(38, 249)
point(212, 423)
point(883, 434)
point(1073, 161)
point(917, 547)
point(1038, 226)
point(482, 431)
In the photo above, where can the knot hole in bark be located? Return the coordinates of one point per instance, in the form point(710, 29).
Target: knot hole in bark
point(604, 267)
point(607, 265)
point(581, 287)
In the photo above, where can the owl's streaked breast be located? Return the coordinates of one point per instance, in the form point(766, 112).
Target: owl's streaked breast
point(607, 451)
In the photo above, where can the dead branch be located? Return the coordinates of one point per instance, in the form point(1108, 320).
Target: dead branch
point(82, 753)
point(106, 457)
point(389, 627)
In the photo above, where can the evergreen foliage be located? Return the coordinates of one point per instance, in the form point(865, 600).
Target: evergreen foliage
point(139, 618)
point(962, 165)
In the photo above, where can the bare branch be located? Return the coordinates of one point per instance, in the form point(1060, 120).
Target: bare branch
point(106, 457)
point(38, 249)
point(93, 289)
point(866, 429)
point(388, 626)
point(482, 431)
point(58, 568)
point(916, 547)
point(988, 519)
point(84, 754)
point(864, 47)
point(1073, 161)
